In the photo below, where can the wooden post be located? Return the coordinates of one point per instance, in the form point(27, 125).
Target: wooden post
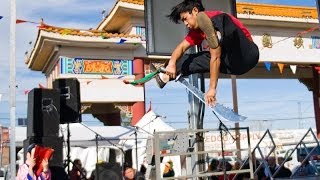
point(235, 109)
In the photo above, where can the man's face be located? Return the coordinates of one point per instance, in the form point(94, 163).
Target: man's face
point(190, 19)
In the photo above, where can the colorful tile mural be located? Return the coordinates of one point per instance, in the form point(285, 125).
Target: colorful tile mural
point(95, 66)
point(142, 32)
point(315, 42)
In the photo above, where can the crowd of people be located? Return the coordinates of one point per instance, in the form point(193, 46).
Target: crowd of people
point(271, 168)
point(275, 169)
point(36, 167)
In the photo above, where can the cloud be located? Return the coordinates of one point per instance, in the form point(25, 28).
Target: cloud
point(62, 7)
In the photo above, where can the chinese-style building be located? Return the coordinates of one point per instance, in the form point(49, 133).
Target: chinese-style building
point(101, 58)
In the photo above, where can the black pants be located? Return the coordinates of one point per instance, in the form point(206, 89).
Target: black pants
point(238, 53)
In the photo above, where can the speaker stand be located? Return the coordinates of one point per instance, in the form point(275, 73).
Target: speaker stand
point(68, 160)
point(97, 157)
point(68, 149)
point(98, 136)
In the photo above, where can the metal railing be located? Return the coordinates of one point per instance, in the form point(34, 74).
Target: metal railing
point(304, 142)
point(187, 151)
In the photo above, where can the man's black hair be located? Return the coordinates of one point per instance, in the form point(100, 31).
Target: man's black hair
point(185, 6)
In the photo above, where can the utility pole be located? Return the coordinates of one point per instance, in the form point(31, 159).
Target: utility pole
point(12, 99)
point(235, 108)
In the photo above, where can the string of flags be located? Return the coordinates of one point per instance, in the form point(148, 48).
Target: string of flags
point(67, 31)
point(293, 68)
point(18, 21)
point(104, 78)
point(281, 67)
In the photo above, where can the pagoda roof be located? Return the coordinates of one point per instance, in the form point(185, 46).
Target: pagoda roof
point(124, 9)
point(140, 2)
point(83, 32)
point(51, 38)
point(277, 10)
point(121, 13)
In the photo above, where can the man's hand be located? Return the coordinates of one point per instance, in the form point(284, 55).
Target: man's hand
point(171, 70)
point(210, 97)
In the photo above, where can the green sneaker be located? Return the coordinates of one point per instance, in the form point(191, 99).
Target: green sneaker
point(205, 24)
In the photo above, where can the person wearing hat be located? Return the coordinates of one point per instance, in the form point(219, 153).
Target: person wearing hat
point(168, 169)
point(27, 171)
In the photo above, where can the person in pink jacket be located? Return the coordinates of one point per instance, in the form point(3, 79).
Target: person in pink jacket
point(27, 172)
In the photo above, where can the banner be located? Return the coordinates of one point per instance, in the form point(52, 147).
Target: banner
point(95, 66)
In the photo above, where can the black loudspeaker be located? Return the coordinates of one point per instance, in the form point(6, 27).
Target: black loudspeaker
point(55, 143)
point(108, 171)
point(159, 26)
point(70, 104)
point(43, 112)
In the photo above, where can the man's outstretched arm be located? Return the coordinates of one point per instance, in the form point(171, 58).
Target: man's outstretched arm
point(175, 56)
point(210, 96)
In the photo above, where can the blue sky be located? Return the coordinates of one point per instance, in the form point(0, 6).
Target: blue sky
point(266, 103)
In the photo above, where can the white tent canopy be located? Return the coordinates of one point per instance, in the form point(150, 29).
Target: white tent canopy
point(151, 122)
point(145, 128)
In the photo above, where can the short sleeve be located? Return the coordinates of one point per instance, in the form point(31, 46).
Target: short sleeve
point(195, 37)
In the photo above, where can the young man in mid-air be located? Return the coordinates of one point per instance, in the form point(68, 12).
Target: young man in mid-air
point(231, 48)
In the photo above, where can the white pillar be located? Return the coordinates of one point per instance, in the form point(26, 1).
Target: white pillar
point(12, 99)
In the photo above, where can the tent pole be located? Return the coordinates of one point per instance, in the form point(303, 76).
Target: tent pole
point(136, 137)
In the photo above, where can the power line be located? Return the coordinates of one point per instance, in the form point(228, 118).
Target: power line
point(181, 122)
point(279, 119)
point(240, 102)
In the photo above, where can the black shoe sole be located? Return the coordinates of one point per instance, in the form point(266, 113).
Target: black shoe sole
point(160, 83)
